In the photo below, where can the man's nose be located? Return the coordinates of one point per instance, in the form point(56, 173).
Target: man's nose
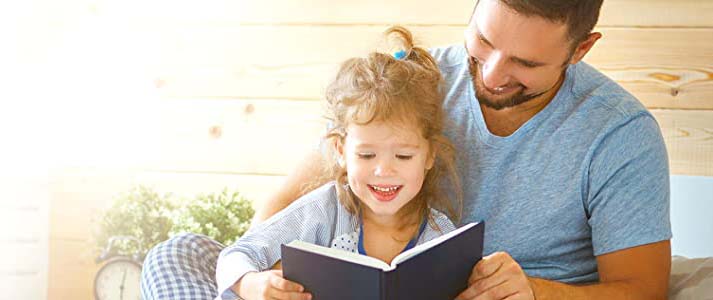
point(495, 73)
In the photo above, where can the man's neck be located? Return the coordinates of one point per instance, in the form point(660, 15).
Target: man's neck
point(506, 121)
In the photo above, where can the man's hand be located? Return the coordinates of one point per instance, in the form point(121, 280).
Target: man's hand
point(497, 276)
point(269, 285)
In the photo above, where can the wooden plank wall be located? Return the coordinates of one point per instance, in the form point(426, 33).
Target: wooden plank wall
point(24, 218)
point(234, 89)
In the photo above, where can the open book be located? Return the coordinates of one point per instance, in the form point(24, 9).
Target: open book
point(437, 269)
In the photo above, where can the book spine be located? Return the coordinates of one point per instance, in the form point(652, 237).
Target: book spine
point(382, 286)
point(389, 285)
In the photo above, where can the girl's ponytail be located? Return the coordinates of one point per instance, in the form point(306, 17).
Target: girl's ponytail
point(400, 41)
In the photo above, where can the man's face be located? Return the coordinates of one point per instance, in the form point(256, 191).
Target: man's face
point(514, 58)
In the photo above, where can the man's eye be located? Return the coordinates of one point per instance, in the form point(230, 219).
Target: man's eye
point(528, 64)
point(404, 157)
point(366, 155)
point(474, 60)
point(481, 40)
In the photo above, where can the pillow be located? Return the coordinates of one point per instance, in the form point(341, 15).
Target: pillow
point(691, 278)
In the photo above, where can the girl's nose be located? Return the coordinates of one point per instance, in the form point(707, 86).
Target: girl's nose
point(384, 169)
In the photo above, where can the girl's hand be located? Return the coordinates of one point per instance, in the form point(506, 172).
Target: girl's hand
point(269, 285)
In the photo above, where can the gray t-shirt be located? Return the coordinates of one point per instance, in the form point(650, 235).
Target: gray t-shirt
point(586, 176)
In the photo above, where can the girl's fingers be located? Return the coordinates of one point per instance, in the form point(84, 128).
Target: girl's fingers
point(284, 289)
point(285, 285)
point(282, 295)
point(280, 283)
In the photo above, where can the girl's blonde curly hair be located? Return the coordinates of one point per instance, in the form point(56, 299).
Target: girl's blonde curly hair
point(402, 92)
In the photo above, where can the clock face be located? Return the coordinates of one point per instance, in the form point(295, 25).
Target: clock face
point(119, 279)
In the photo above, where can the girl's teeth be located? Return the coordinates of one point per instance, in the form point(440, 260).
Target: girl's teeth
point(380, 189)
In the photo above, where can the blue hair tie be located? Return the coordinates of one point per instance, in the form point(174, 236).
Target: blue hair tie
point(400, 54)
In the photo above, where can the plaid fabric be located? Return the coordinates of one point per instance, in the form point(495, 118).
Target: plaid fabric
point(182, 267)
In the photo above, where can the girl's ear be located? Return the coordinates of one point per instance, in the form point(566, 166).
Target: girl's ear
point(431, 159)
point(339, 146)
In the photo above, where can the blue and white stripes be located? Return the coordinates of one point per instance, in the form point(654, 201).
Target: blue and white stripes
point(183, 267)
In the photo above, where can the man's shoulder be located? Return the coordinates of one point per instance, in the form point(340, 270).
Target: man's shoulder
point(594, 93)
point(451, 56)
point(453, 64)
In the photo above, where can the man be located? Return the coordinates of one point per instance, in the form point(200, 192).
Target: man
point(568, 170)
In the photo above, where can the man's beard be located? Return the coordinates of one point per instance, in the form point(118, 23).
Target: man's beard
point(518, 98)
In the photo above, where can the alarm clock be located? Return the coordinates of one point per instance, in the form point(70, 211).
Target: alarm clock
point(120, 276)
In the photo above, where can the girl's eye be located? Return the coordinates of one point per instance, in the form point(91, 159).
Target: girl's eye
point(404, 157)
point(366, 155)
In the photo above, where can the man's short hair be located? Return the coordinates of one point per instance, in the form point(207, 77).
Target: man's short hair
point(580, 16)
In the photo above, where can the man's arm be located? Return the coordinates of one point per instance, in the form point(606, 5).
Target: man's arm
point(636, 273)
point(640, 272)
point(309, 169)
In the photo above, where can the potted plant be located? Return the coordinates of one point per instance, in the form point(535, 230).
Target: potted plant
point(149, 217)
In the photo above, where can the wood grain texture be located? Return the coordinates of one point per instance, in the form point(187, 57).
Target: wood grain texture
point(23, 285)
point(237, 136)
point(664, 68)
point(689, 140)
point(24, 249)
point(636, 13)
point(71, 270)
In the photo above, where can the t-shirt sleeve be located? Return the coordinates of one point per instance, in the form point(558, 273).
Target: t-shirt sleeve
point(629, 194)
point(308, 219)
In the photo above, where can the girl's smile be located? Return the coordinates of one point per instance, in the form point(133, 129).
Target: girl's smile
point(386, 166)
point(385, 193)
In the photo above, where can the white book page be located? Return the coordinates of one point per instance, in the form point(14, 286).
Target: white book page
point(428, 245)
point(341, 255)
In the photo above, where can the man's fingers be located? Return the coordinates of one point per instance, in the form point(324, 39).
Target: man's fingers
point(495, 288)
point(487, 266)
point(518, 296)
point(484, 284)
point(498, 292)
point(507, 270)
point(469, 293)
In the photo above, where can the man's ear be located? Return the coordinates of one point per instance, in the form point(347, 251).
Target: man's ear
point(584, 46)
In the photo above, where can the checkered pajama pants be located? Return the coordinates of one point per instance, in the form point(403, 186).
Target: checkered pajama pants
point(182, 267)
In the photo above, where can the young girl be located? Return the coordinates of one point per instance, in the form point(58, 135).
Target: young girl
point(389, 161)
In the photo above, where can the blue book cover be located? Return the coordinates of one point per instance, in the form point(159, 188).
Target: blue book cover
point(435, 270)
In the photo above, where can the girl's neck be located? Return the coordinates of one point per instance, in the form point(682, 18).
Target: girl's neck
point(395, 223)
point(384, 237)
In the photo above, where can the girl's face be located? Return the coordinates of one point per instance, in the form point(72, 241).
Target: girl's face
point(385, 165)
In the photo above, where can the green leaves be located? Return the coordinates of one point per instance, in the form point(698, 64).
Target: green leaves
point(224, 217)
point(152, 218)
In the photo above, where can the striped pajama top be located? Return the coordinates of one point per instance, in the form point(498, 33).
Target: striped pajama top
point(317, 217)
